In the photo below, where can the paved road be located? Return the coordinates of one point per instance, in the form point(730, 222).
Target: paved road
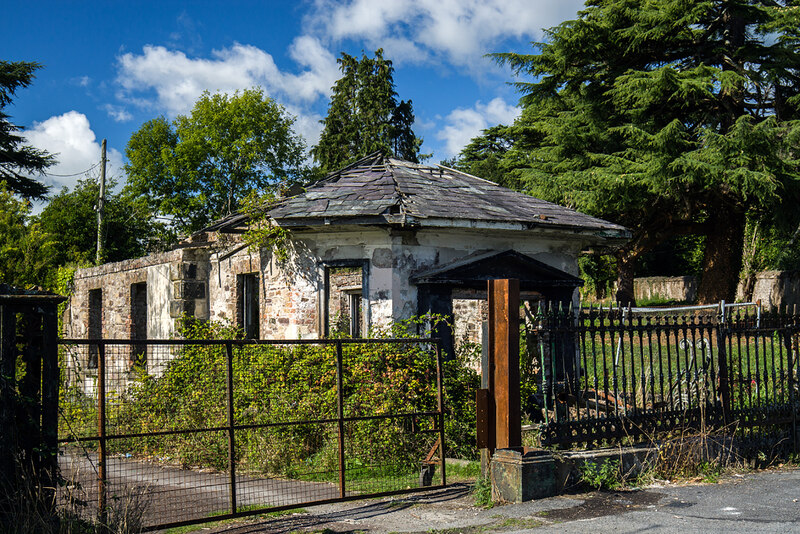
point(751, 503)
point(175, 494)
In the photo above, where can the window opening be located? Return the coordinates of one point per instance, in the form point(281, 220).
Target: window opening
point(139, 323)
point(248, 305)
point(95, 326)
point(344, 288)
point(355, 313)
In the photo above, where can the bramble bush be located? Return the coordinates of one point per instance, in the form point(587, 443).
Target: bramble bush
point(293, 389)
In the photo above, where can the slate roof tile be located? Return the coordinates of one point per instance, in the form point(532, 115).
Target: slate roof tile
point(373, 185)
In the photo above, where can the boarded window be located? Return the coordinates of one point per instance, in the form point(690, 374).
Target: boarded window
point(139, 323)
point(95, 326)
point(248, 304)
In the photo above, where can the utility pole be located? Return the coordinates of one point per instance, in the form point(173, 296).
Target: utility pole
point(100, 201)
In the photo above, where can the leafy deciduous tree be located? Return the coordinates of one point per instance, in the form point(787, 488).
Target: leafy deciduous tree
point(26, 251)
point(199, 167)
point(71, 221)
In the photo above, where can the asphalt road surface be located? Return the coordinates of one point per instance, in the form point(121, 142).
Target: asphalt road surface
point(171, 494)
point(766, 501)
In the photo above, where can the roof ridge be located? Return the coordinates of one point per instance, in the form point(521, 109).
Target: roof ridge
point(400, 195)
point(472, 176)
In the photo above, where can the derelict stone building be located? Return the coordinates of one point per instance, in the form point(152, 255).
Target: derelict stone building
point(378, 241)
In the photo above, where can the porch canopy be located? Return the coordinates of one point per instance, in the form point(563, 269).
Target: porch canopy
point(436, 287)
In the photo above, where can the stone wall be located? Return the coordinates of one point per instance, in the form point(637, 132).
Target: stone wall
point(203, 280)
point(774, 289)
point(679, 288)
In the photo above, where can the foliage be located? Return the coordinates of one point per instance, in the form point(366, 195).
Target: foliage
point(16, 158)
point(598, 272)
point(601, 475)
point(26, 250)
point(484, 157)
point(675, 256)
point(770, 244)
point(364, 115)
point(200, 166)
point(672, 118)
point(262, 232)
point(71, 220)
point(283, 384)
point(482, 492)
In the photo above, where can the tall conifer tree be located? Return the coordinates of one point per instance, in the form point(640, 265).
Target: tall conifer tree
point(18, 160)
point(364, 115)
point(668, 116)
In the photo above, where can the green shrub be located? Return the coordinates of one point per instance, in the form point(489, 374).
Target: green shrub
point(293, 384)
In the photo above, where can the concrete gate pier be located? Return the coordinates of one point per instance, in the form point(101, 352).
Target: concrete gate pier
point(522, 475)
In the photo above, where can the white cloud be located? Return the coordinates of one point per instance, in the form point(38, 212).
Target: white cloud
point(71, 139)
point(464, 124)
point(164, 80)
point(117, 113)
point(461, 31)
point(178, 80)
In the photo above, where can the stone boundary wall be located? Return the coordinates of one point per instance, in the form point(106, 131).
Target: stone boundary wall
point(681, 288)
point(775, 289)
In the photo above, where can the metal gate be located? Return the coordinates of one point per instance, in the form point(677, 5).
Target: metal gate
point(181, 432)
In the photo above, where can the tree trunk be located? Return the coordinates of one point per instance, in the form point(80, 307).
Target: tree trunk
point(626, 268)
point(722, 261)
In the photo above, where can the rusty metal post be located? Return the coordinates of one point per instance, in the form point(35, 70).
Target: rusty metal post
point(440, 395)
point(102, 500)
point(231, 436)
point(340, 417)
point(504, 350)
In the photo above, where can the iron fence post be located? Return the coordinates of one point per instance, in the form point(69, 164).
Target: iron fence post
point(340, 417)
point(231, 437)
point(722, 366)
point(440, 395)
point(101, 433)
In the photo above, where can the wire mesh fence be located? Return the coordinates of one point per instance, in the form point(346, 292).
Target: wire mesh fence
point(191, 431)
point(617, 373)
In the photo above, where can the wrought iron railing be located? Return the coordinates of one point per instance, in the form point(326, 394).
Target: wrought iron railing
point(611, 374)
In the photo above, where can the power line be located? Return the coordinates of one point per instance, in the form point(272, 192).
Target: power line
point(76, 174)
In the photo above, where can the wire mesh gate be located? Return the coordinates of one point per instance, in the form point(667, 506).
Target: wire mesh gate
point(614, 374)
point(183, 432)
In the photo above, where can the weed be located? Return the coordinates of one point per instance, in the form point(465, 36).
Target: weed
point(709, 471)
point(27, 505)
point(517, 523)
point(482, 491)
point(603, 475)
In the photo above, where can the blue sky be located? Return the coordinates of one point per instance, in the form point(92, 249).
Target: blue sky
point(109, 67)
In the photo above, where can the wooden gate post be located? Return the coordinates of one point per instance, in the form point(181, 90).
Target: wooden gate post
point(504, 375)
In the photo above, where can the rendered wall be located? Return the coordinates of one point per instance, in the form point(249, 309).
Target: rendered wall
point(775, 289)
point(680, 288)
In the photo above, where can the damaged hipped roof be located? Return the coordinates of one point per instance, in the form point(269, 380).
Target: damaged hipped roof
point(387, 191)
